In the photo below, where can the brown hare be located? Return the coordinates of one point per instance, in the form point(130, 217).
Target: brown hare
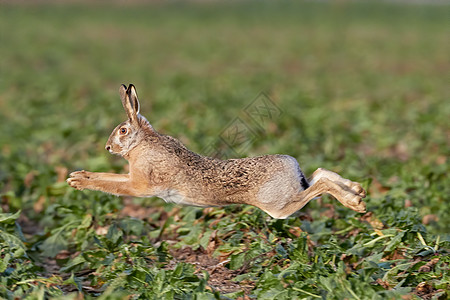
point(161, 166)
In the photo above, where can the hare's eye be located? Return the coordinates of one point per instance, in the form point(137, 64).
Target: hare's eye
point(123, 130)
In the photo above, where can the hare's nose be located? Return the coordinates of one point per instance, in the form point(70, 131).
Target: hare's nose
point(108, 147)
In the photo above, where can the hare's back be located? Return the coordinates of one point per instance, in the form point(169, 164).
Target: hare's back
point(247, 180)
point(255, 172)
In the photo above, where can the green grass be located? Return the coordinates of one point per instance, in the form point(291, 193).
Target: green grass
point(363, 90)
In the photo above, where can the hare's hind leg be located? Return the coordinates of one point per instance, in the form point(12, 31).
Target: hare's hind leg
point(349, 193)
point(117, 184)
point(323, 173)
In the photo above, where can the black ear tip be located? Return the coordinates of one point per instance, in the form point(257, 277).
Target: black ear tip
point(123, 88)
point(129, 88)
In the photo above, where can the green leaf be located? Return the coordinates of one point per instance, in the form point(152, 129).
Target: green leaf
point(328, 283)
point(72, 280)
point(204, 240)
point(9, 218)
point(12, 240)
point(114, 236)
point(54, 244)
point(86, 222)
point(236, 261)
point(4, 262)
point(395, 242)
point(57, 241)
point(132, 226)
point(73, 263)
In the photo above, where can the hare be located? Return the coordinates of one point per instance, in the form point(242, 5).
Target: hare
point(163, 167)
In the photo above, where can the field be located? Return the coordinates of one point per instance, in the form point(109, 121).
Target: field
point(359, 88)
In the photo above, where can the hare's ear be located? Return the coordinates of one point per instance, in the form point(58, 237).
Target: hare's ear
point(123, 93)
point(127, 103)
point(134, 98)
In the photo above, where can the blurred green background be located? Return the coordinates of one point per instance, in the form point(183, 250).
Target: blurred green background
point(363, 87)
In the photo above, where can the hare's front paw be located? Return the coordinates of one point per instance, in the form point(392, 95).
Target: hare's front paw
point(82, 174)
point(79, 179)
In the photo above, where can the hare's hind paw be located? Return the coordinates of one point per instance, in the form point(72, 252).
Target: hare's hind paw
point(355, 203)
point(353, 186)
point(358, 189)
point(353, 195)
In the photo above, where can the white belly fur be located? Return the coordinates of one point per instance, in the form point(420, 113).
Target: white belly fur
point(173, 196)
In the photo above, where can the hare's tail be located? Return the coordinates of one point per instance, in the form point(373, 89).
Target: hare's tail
point(304, 182)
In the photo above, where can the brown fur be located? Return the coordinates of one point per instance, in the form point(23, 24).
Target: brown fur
point(161, 166)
